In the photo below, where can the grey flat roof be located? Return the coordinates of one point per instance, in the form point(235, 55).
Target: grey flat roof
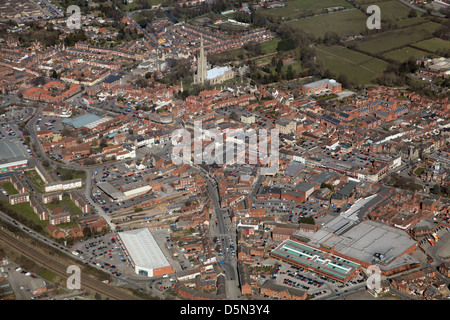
point(294, 168)
point(10, 150)
point(370, 237)
point(82, 121)
point(143, 249)
point(328, 81)
point(362, 240)
point(110, 190)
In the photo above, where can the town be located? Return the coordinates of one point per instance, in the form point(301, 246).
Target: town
point(91, 175)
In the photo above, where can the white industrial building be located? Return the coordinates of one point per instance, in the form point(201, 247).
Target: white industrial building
point(144, 253)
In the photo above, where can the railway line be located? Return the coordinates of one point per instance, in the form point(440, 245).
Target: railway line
point(86, 281)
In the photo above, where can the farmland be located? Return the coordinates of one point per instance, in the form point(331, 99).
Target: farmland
point(396, 39)
point(298, 8)
point(392, 10)
point(358, 67)
point(403, 54)
point(434, 45)
point(343, 23)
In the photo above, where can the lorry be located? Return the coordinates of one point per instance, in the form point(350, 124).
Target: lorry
point(435, 236)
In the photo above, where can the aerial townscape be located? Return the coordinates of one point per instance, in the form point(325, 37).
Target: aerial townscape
point(224, 150)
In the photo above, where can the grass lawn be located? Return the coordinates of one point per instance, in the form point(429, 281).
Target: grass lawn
point(359, 68)
point(295, 8)
point(227, 56)
point(419, 171)
point(36, 180)
point(67, 174)
point(403, 54)
point(269, 46)
point(343, 23)
point(395, 39)
point(25, 210)
point(47, 274)
point(9, 187)
point(66, 204)
point(136, 5)
point(433, 45)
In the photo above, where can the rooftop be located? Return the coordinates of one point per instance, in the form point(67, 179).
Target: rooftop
point(143, 249)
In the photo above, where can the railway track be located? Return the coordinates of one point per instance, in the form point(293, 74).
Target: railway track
point(87, 281)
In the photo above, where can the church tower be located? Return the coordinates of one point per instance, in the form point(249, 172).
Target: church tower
point(201, 65)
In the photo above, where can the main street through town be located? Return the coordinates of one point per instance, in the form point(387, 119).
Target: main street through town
point(225, 230)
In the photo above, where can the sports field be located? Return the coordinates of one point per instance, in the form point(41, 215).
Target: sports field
point(358, 67)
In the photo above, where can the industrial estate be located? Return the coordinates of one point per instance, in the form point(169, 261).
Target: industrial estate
point(353, 122)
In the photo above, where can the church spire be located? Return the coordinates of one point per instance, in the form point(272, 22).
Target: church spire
point(201, 65)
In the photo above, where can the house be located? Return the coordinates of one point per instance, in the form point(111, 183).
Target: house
point(273, 290)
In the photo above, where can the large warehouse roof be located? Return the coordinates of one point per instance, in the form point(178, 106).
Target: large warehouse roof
point(10, 150)
point(88, 120)
point(143, 249)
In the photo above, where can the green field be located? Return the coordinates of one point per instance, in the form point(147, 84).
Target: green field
point(392, 10)
point(343, 23)
point(140, 4)
point(434, 45)
point(403, 54)
point(36, 180)
point(269, 46)
point(9, 187)
point(403, 23)
point(26, 211)
point(390, 40)
point(241, 53)
point(67, 174)
point(66, 204)
point(297, 8)
point(359, 68)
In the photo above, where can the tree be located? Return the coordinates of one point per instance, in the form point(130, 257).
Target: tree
point(87, 232)
point(54, 74)
point(103, 143)
point(286, 45)
point(412, 13)
point(279, 65)
point(343, 79)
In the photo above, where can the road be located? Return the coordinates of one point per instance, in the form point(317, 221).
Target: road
point(225, 229)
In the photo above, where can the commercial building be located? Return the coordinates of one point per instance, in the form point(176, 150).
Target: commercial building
point(316, 260)
point(89, 121)
point(364, 243)
point(322, 86)
point(286, 125)
point(144, 253)
point(12, 155)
